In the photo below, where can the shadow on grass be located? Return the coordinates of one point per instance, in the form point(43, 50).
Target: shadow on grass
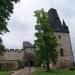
point(55, 72)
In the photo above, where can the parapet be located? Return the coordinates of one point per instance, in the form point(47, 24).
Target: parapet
point(13, 50)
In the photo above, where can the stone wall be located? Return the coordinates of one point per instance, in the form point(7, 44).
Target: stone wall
point(65, 43)
point(29, 56)
point(11, 60)
point(8, 65)
point(12, 55)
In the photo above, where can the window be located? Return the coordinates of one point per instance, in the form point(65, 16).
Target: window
point(61, 52)
point(59, 36)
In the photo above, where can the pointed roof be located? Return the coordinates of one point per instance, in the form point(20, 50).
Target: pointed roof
point(64, 24)
point(65, 27)
point(55, 22)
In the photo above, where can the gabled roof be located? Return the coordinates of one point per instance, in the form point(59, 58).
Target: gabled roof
point(27, 44)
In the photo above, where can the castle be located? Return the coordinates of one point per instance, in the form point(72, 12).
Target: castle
point(65, 55)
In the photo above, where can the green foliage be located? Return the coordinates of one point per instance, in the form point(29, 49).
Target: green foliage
point(38, 59)
point(72, 68)
point(6, 8)
point(46, 41)
point(4, 73)
point(2, 48)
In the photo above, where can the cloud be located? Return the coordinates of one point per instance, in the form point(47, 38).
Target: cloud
point(22, 21)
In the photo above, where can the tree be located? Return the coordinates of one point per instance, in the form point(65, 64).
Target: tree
point(2, 48)
point(46, 42)
point(6, 8)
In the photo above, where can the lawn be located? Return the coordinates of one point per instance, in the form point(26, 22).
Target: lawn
point(4, 73)
point(60, 72)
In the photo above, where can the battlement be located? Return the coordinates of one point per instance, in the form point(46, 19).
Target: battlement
point(13, 50)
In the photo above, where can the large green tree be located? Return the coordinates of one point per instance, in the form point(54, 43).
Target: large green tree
point(6, 8)
point(45, 42)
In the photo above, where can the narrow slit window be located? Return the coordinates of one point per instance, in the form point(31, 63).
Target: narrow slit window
point(61, 52)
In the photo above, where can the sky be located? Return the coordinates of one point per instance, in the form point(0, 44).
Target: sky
point(22, 21)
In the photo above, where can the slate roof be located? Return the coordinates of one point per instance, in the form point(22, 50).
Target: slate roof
point(27, 44)
point(55, 23)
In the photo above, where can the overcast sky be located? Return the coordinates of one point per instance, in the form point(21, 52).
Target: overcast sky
point(22, 21)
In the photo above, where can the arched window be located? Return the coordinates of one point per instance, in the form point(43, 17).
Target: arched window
point(61, 52)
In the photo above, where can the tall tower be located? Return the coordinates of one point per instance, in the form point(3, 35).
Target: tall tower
point(65, 55)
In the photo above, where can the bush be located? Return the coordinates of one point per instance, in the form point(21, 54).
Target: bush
point(6, 66)
point(72, 68)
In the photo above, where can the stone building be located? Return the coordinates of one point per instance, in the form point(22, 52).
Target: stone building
point(29, 53)
point(15, 58)
point(65, 55)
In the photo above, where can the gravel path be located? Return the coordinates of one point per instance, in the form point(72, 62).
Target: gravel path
point(25, 71)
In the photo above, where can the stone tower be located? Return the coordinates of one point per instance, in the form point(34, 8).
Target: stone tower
point(65, 55)
point(29, 53)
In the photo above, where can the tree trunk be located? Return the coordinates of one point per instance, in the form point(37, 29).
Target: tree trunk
point(48, 68)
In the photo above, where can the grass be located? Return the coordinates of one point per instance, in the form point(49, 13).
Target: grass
point(4, 73)
point(60, 72)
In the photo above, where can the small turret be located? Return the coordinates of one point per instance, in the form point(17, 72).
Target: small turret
point(65, 27)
